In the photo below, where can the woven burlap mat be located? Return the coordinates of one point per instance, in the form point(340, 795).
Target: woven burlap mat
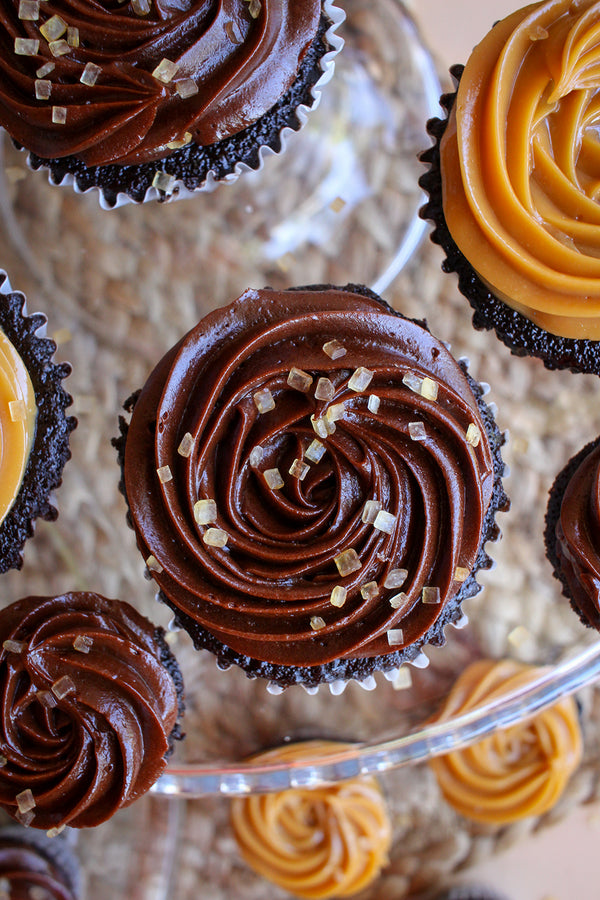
point(119, 288)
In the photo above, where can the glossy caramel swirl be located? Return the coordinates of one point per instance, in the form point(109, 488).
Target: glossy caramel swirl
point(515, 772)
point(578, 536)
point(521, 164)
point(87, 709)
point(197, 436)
point(328, 841)
point(18, 414)
point(234, 59)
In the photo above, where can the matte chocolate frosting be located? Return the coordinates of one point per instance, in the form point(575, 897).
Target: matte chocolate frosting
point(267, 593)
point(238, 56)
point(88, 707)
point(578, 535)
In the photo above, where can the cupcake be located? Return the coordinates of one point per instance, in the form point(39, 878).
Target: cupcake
point(35, 866)
point(35, 427)
point(91, 696)
point(315, 842)
point(512, 182)
point(151, 99)
point(515, 772)
point(311, 478)
point(572, 532)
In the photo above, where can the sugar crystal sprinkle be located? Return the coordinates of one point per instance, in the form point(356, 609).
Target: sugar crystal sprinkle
point(186, 87)
point(395, 578)
point(461, 574)
point(338, 596)
point(185, 447)
point(431, 595)
point(163, 181)
point(3, 761)
point(141, 7)
point(164, 474)
point(254, 8)
point(13, 646)
point(17, 410)
point(83, 643)
point(90, 74)
point(473, 435)
point(25, 801)
point(55, 831)
point(370, 590)
point(370, 511)
point(63, 687)
point(29, 10)
point(299, 469)
point(153, 565)
point(335, 412)
point(26, 46)
point(43, 89)
point(53, 28)
point(165, 71)
point(403, 679)
point(334, 349)
point(256, 456)
point(315, 451)
point(395, 637)
point(45, 69)
point(321, 427)
point(73, 36)
point(59, 48)
point(299, 380)
point(47, 699)
point(264, 400)
point(176, 145)
point(412, 381)
point(417, 431)
point(429, 389)
point(373, 403)
point(347, 562)
point(317, 623)
point(324, 389)
point(205, 511)
point(273, 479)
point(214, 537)
point(25, 818)
point(360, 379)
point(59, 115)
point(385, 521)
point(399, 601)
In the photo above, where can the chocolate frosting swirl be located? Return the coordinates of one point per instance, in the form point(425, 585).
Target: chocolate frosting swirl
point(578, 535)
point(267, 593)
point(241, 64)
point(30, 861)
point(87, 708)
point(515, 772)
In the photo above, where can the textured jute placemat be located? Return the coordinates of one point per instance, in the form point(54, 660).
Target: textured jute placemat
point(119, 288)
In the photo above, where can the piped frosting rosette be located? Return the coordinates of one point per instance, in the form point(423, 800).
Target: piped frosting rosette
point(327, 841)
point(90, 700)
point(311, 479)
point(515, 772)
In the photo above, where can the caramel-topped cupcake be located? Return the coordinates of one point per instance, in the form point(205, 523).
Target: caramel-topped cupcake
point(514, 183)
point(312, 478)
point(515, 772)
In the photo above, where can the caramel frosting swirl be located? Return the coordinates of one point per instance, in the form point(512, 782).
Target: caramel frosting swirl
point(515, 772)
point(578, 535)
point(130, 79)
point(520, 162)
point(328, 841)
point(18, 415)
point(87, 709)
point(269, 542)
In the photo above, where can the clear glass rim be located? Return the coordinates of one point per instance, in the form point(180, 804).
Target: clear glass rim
point(550, 685)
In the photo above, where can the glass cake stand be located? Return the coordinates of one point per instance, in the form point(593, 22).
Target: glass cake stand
point(120, 288)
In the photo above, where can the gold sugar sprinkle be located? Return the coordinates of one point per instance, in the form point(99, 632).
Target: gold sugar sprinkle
point(17, 410)
point(29, 10)
point(337, 205)
point(461, 574)
point(370, 590)
point(412, 381)
point(264, 400)
point(519, 636)
point(25, 801)
point(299, 470)
point(43, 89)
point(370, 511)
point(215, 537)
point(347, 562)
point(164, 182)
point(395, 578)
point(429, 389)
point(26, 46)
point(256, 456)
point(63, 687)
point(373, 403)
point(53, 28)
point(254, 8)
point(317, 623)
point(385, 521)
point(164, 474)
point(59, 115)
point(59, 48)
point(141, 7)
point(431, 595)
point(177, 145)
point(55, 831)
point(165, 71)
point(13, 646)
point(90, 74)
point(395, 637)
point(360, 379)
point(473, 435)
point(185, 447)
point(45, 69)
point(315, 451)
point(334, 349)
point(153, 565)
point(186, 87)
point(338, 596)
point(73, 36)
point(205, 511)
point(399, 601)
point(83, 643)
point(335, 412)
point(320, 426)
point(299, 380)
point(324, 389)
point(417, 431)
point(403, 679)
point(273, 479)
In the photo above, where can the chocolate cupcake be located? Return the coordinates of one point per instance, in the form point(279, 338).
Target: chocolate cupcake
point(91, 697)
point(312, 478)
point(512, 184)
point(572, 532)
point(154, 99)
point(33, 865)
point(35, 427)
